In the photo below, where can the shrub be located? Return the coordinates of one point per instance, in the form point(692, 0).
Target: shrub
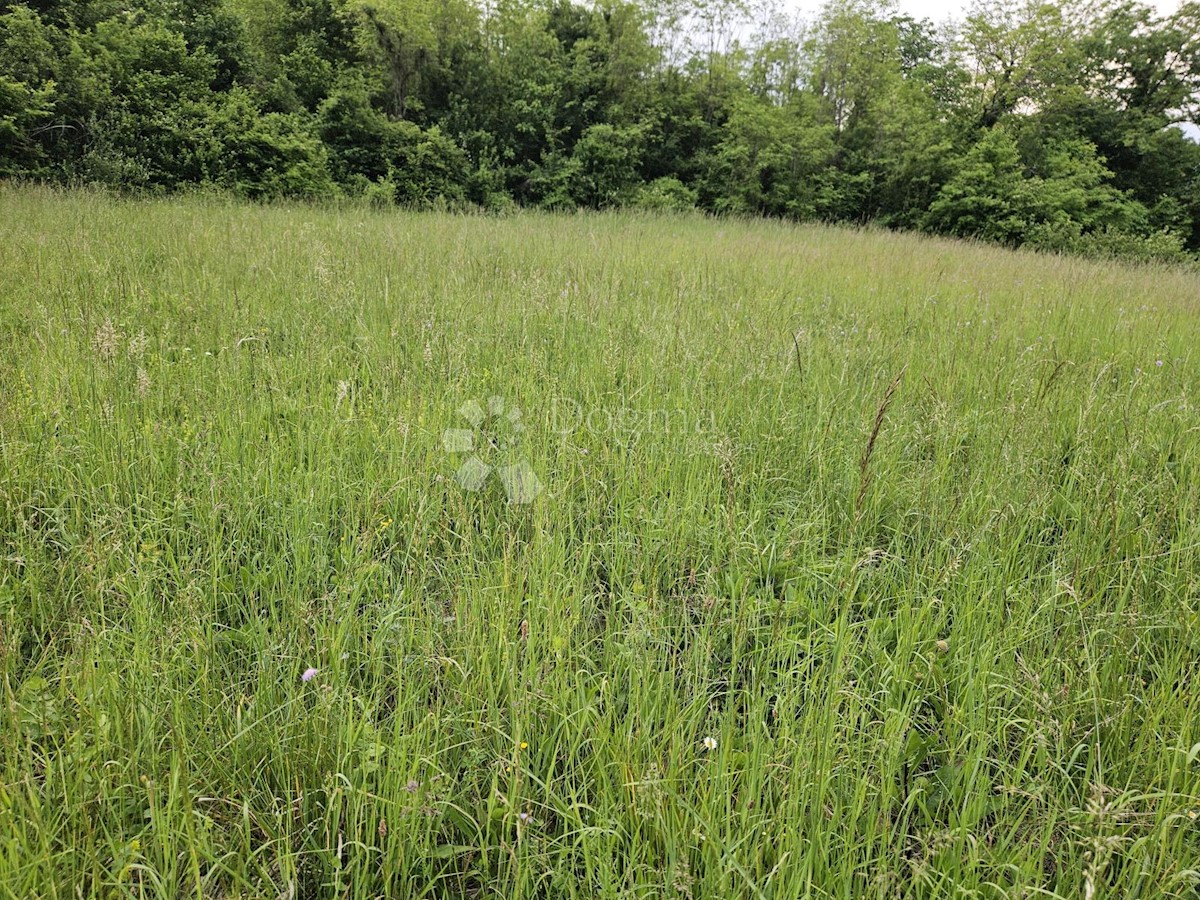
point(267, 155)
point(415, 166)
point(666, 193)
point(606, 166)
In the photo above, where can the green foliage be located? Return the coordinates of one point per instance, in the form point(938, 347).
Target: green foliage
point(158, 97)
point(264, 155)
point(772, 160)
point(426, 166)
point(1068, 186)
point(23, 109)
point(1114, 243)
point(665, 194)
point(415, 166)
point(980, 199)
point(866, 565)
point(1052, 200)
point(607, 163)
point(861, 115)
point(27, 90)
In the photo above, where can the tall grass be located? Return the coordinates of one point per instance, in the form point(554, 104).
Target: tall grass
point(780, 623)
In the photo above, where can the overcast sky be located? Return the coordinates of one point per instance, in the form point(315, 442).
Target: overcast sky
point(941, 9)
point(938, 10)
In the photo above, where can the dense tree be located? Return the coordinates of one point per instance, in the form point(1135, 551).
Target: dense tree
point(1028, 123)
point(28, 63)
point(1051, 196)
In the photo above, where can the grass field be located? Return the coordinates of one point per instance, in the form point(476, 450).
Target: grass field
point(826, 563)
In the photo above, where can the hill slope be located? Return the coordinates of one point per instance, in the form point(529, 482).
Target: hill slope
point(816, 562)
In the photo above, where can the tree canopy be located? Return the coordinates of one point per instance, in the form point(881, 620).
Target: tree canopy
point(1025, 123)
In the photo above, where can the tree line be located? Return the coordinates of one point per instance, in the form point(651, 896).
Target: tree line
point(1025, 123)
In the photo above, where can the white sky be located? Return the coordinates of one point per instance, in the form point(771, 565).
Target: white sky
point(939, 10)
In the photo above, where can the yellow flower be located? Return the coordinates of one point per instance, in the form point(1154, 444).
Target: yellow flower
point(524, 746)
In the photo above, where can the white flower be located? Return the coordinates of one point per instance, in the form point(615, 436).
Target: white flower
point(710, 743)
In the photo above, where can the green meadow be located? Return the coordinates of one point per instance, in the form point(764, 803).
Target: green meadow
point(636, 556)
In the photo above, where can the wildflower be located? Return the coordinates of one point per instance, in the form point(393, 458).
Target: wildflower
point(943, 646)
point(524, 817)
point(1158, 362)
point(309, 674)
point(710, 743)
point(524, 746)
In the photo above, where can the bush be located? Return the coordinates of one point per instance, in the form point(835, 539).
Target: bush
point(773, 161)
point(426, 166)
point(370, 152)
point(267, 155)
point(666, 194)
point(1113, 243)
point(979, 199)
point(1061, 201)
point(606, 167)
point(27, 89)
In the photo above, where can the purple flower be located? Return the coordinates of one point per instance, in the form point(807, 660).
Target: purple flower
point(1158, 362)
point(309, 674)
point(524, 817)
